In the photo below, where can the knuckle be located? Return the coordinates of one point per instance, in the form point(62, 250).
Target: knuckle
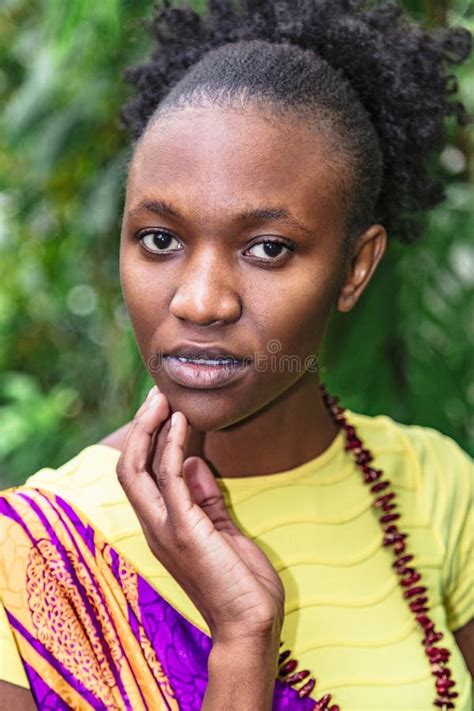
point(181, 541)
point(179, 538)
point(164, 475)
point(123, 478)
point(212, 502)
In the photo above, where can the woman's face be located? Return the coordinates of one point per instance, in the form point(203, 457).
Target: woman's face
point(208, 189)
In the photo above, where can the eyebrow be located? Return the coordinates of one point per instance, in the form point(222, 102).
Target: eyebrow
point(257, 215)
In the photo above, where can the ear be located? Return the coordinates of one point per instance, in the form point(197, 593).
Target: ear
point(367, 253)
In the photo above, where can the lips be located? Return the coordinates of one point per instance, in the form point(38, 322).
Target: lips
point(193, 351)
point(198, 367)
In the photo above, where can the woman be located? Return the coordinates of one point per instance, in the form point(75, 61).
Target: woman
point(263, 531)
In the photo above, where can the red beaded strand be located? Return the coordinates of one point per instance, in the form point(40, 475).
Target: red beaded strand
point(416, 595)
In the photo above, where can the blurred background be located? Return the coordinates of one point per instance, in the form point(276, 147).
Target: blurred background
point(70, 371)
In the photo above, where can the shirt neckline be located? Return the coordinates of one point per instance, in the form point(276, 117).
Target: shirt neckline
point(321, 460)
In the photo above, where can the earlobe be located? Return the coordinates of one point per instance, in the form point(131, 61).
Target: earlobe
point(367, 253)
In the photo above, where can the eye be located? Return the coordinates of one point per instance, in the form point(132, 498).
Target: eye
point(158, 241)
point(270, 249)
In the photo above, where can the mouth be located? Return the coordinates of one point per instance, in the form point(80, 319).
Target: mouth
point(204, 368)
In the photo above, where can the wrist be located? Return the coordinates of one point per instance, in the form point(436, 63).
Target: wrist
point(245, 655)
point(265, 637)
point(242, 675)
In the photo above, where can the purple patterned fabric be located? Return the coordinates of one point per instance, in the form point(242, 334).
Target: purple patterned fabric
point(183, 651)
point(81, 574)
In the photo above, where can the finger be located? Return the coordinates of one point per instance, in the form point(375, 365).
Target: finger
point(160, 444)
point(153, 448)
point(137, 483)
point(205, 491)
point(154, 390)
point(144, 496)
point(139, 439)
point(171, 483)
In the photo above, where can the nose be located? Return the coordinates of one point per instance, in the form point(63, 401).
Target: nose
point(206, 294)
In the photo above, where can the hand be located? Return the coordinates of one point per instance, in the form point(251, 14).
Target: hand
point(188, 528)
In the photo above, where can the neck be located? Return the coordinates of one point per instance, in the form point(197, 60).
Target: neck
point(290, 431)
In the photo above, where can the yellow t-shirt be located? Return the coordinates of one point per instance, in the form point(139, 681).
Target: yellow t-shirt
point(345, 617)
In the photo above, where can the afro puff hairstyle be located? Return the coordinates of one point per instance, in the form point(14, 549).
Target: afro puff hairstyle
point(383, 80)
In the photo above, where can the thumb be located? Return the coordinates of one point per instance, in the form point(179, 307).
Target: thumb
point(205, 492)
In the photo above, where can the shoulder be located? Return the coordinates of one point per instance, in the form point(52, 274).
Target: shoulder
point(433, 473)
point(88, 481)
point(435, 458)
point(91, 469)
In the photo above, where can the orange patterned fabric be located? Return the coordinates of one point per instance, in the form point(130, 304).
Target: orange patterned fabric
point(70, 600)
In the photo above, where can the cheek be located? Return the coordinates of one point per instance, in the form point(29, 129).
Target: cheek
point(143, 297)
point(298, 314)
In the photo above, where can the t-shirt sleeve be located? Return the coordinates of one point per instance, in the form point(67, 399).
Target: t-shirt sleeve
point(11, 666)
point(456, 527)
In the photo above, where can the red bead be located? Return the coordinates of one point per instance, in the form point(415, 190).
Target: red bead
point(411, 580)
point(307, 688)
point(418, 609)
point(284, 656)
point(406, 571)
point(288, 667)
point(352, 443)
point(395, 538)
point(440, 671)
point(299, 676)
point(422, 600)
point(350, 430)
point(379, 486)
point(334, 707)
point(372, 475)
point(363, 457)
point(388, 518)
point(443, 704)
point(435, 651)
point(383, 500)
point(437, 654)
point(414, 591)
point(399, 547)
point(444, 684)
point(431, 638)
point(392, 535)
point(400, 562)
point(425, 622)
point(323, 702)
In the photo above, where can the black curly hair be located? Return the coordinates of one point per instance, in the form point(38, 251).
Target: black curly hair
point(375, 81)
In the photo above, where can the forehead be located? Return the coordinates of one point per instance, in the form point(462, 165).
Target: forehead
point(222, 157)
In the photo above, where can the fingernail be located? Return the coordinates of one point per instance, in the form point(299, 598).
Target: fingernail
point(174, 419)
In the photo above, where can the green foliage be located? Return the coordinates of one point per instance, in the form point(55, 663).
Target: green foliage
point(70, 369)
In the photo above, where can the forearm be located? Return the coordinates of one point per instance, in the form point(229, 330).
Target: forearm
point(241, 678)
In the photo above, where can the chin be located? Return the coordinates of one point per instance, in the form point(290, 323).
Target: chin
point(208, 410)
